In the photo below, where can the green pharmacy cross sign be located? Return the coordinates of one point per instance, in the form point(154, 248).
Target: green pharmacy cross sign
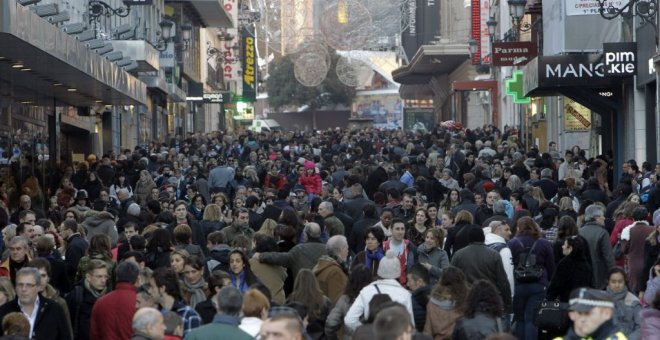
point(514, 88)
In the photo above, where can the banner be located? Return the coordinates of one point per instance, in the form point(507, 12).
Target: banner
point(231, 68)
point(590, 7)
point(249, 58)
point(424, 25)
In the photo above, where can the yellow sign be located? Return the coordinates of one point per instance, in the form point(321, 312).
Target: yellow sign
point(576, 116)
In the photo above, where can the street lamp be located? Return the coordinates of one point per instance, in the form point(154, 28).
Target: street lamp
point(165, 35)
point(100, 8)
point(186, 31)
point(492, 24)
point(517, 10)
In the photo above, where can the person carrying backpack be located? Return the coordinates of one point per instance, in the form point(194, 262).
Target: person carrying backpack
point(534, 265)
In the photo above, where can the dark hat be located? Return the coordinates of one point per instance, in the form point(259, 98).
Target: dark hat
point(584, 299)
point(81, 195)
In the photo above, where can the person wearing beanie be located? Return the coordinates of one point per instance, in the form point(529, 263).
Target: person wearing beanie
point(389, 270)
point(479, 262)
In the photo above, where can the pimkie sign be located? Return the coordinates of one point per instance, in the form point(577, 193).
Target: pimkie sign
point(620, 59)
point(513, 53)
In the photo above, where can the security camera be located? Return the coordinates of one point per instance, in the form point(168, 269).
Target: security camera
point(126, 35)
point(130, 67)
point(124, 61)
point(46, 10)
point(86, 35)
point(73, 28)
point(114, 56)
point(59, 18)
point(95, 44)
point(122, 29)
point(105, 49)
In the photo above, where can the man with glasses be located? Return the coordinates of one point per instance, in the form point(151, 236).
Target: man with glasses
point(19, 256)
point(600, 249)
point(46, 317)
point(83, 297)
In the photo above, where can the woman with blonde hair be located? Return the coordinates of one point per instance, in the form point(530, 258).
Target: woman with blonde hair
point(143, 187)
point(100, 248)
point(7, 292)
point(268, 227)
point(178, 260)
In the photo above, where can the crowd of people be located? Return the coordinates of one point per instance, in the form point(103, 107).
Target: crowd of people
point(447, 234)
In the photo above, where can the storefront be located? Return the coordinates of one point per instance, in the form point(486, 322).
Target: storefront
point(599, 82)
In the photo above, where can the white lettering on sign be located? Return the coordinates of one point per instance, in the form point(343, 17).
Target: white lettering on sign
point(574, 71)
point(620, 63)
point(651, 66)
point(502, 50)
point(412, 18)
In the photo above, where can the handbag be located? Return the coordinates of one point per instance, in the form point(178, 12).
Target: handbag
point(552, 316)
point(527, 271)
point(618, 249)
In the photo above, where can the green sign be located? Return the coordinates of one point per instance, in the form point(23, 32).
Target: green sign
point(514, 88)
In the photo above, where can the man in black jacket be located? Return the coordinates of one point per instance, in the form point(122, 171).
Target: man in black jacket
point(83, 297)
point(76, 246)
point(47, 320)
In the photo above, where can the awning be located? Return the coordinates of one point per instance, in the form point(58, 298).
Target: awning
point(576, 76)
point(210, 13)
point(55, 66)
point(176, 94)
point(429, 61)
point(155, 82)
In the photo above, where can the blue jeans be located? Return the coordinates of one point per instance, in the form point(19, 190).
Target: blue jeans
point(525, 299)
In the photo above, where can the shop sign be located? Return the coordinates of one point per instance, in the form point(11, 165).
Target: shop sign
point(216, 97)
point(249, 57)
point(167, 57)
point(573, 70)
point(620, 59)
point(591, 7)
point(576, 116)
point(513, 53)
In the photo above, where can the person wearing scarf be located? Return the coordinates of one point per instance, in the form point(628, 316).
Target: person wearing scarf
point(195, 289)
point(627, 306)
point(373, 251)
point(241, 274)
point(81, 300)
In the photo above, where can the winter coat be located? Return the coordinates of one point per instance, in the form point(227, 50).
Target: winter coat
point(600, 250)
point(361, 258)
point(477, 328)
point(312, 183)
point(420, 298)
point(101, 223)
point(651, 253)
point(232, 231)
point(76, 247)
point(457, 237)
point(436, 257)
point(626, 311)
point(332, 278)
point(652, 287)
point(143, 191)
point(572, 272)
point(478, 261)
point(407, 261)
point(273, 277)
point(650, 323)
point(80, 308)
point(302, 256)
point(360, 306)
point(633, 239)
point(441, 317)
point(50, 323)
point(545, 256)
point(335, 321)
point(113, 312)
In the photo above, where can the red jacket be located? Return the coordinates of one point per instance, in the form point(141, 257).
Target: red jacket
point(312, 183)
point(112, 314)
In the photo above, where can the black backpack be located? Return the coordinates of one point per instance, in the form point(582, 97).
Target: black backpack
point(527, 271)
